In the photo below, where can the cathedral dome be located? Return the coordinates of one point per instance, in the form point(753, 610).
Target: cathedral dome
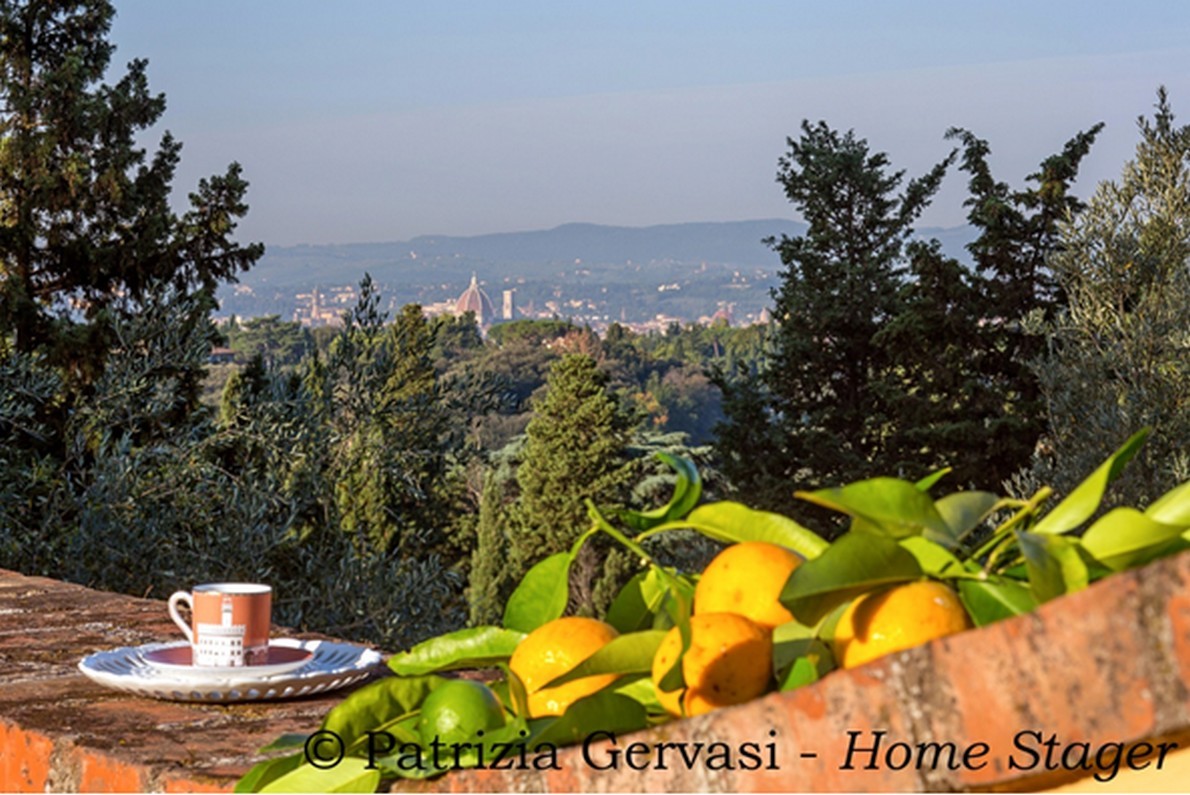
point(476, 300)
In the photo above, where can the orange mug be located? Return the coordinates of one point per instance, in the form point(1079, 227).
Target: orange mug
point(231, 622)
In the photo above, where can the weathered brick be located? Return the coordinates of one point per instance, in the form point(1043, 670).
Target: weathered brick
point(24, 759)
point(1109, 664)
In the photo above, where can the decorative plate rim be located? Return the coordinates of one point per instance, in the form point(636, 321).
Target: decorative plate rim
point(335, 664)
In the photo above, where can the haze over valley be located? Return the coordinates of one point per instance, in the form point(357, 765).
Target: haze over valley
point(646, 277)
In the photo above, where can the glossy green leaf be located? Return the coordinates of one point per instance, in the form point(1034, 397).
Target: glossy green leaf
point(934, 559)
point(641, 690)
point(542, 594)
point(375, 706)
point(687, 492)
point(264, 773)
point(988, 601)
point(476, 647)
point(1081, 503)
point(1125, 537)
point(350, 775)
point(606, 710)
point(517, 692)
point(855, 564)
point(629, 611)
point(679, 605)
point(885, 506)
point(732, 522)
point(1054, 564)
point(1172, 507)
point(628, 654)
point(799, 658)
point(964, 511)
point(927, 483)
point(639, 602)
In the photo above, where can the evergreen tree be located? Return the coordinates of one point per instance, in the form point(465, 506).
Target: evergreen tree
point(999, 414)
point(574, 450)
point(491, 577)
point(86, 229)
point(1118, 358)
point(942, 408)
point(840, 285)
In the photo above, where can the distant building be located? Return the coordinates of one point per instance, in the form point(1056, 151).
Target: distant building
point(509, 312)
point(221, 356)
point(317, 308)
point(474, 299)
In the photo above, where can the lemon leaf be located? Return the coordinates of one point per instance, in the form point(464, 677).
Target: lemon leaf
point(541, 595)
point(349, 775)
point(885, 506)
point(475, 647)
point(854, 564)
point(1125, 537)
point(1082, 502)
point(1054, 564)
point(687, 492)
point(628, 654)
point(733, 522)
point(264, 773)
point(988, 601)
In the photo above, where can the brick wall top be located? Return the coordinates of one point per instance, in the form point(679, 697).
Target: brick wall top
point(1107, 666)
point(61, 732)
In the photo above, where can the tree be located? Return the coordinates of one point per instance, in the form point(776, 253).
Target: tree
point(86, 230)
point(839, 287)
point(999, 414)
point(1118, 358)
point(574, 449)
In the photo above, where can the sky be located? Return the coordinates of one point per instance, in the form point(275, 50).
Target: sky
point(382, 120)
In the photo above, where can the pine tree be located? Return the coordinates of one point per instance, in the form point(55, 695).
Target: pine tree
point(840, 286)
point(1001, 403)
point(86, 229)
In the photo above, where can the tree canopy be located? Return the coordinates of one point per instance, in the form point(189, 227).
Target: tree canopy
point(86, 227)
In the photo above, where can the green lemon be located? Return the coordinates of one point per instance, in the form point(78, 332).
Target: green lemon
point(455, 710)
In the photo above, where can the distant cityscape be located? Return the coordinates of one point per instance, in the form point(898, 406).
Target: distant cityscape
point(646, 279)
point(326, 306)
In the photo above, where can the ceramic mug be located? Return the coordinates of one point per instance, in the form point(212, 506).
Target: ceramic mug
point(229, 624)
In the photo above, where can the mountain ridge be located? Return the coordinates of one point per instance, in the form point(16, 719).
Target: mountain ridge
point(539, 252)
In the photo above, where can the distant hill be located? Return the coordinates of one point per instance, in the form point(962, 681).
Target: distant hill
point(535, 254)
point(618, 269)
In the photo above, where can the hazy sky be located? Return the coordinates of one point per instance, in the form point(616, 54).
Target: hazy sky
point(376, 120)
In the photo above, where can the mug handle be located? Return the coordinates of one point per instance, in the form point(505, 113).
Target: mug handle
point(181, 597)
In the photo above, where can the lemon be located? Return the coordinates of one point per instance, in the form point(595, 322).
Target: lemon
point(455, 710)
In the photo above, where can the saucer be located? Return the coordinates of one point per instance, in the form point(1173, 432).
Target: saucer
point(176, 660)
point(332, 665)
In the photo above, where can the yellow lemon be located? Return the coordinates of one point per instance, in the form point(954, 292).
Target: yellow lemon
point(730, 661)
point(747, 579)
point(898, 618)
point(556, 648)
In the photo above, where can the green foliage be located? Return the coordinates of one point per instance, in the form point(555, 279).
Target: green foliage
point(276, 341)
point(890, 356)
point(1117, 358)
point(993, 410)
point(840, 286)
point(887, 544)
point(86, 214)
point(574, 449)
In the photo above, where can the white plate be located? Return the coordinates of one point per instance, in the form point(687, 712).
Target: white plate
point(333, 665)
point(175, 658)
